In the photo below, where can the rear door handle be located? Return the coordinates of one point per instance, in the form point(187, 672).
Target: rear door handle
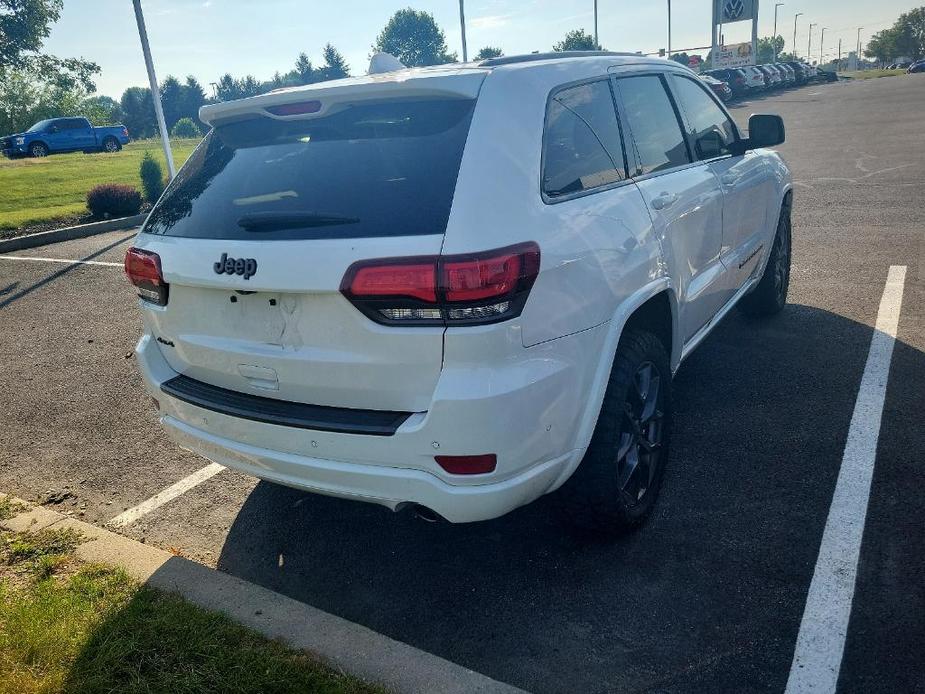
point(664, 200)
point(730, 179)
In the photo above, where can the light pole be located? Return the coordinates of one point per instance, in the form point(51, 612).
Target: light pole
point(798, 14)
point(596, 42)
point(669, 28)
point(462, 25)
point(821, 43)
point(155, 93)
point(774, 38)
point(859, 43)
point(809, 46)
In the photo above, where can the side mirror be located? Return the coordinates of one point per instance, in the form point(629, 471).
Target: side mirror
point(765, 131)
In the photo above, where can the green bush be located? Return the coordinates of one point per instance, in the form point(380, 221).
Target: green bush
point(152, 177)
point(113, 200)
point(186, 127)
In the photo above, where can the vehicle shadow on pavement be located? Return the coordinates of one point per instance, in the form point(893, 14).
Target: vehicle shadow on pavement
point(708, 594)
point(55, 275)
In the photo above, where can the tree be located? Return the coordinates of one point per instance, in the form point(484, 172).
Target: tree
point(489, 52)
point(883, 46)
point(681, 57)
point(19, 94)
point(335, 65)
point(192, 97)
point(102, 110)
point(788, 58)
point(577, 40)
point(905, 39)
point(304, 72)
point(171, 97)
point(768, 48)
point(186, 128)
point(226, 89)
point(138, 112)
point(24, 26)
point(34, 85)
point(414, 38)
point(913, 28)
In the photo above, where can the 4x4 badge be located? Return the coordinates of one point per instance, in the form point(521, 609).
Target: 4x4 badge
point(247, 267)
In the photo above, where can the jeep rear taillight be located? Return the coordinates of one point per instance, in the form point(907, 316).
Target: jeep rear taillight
point(469, 289)
point(143, 269)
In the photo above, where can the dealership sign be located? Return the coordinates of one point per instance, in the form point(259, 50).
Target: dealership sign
point(728, 11)
point(736, 55)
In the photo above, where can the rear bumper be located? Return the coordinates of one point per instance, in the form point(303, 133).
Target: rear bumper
point(527, 413)
point(387, 486)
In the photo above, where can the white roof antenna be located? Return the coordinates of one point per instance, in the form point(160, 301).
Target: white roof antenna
point(384, 62)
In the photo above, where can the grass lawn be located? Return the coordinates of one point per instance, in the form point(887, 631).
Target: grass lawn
point(38, 190)
point(871, 74)
point(72, 627)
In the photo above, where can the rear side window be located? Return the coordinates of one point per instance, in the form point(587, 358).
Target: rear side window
point(582, 145)
point(370, 170)
point(711, 131)
point(656, 133)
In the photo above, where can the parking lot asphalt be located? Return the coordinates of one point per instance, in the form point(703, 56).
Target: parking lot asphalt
point(708, 596)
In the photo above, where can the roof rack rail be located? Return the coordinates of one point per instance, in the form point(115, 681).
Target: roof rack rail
point(531, 57)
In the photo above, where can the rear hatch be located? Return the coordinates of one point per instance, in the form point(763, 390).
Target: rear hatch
point(257, 232)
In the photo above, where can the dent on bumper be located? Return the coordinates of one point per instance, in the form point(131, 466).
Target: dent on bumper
point(387, 486)
point(398, 469)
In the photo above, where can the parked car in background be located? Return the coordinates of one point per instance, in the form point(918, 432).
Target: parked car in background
point(799, 72)
point(775, 81)
point(735, 78)
point(916, 67)
point(789, 75)
point(57, 135)
point(720, 88)
point(826, 76)
point(756, 80)
point(334, 300)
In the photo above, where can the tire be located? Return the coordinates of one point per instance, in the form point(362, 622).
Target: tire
point(607, 494)
point(111, 145)
point(38, 149)
point(770, 294)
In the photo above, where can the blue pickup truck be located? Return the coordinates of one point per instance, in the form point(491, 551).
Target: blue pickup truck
point(57, 135)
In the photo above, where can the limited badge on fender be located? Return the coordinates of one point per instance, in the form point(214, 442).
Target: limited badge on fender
point(246, 267)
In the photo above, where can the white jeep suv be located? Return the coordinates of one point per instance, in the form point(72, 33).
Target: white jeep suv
point(458, 288)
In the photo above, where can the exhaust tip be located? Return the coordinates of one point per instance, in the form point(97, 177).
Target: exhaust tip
point(426, 514)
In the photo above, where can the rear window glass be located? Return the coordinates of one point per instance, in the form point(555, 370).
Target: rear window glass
point(369, 170)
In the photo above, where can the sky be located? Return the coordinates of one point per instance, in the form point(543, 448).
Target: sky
point(207, 38)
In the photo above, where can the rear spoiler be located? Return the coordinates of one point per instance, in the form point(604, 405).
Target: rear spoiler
point(318, 99)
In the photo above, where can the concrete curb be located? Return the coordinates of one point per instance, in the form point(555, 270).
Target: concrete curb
point(342, 644)
point(67, 233)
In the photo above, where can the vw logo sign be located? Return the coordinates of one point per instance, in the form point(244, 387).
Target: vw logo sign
point(733, 10)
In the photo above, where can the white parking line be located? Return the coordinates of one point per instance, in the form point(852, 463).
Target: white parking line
point(821, 641)
point(60, 260)
point(172, 492)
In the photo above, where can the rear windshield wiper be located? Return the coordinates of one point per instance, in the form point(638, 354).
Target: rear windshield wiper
point(276, 221)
